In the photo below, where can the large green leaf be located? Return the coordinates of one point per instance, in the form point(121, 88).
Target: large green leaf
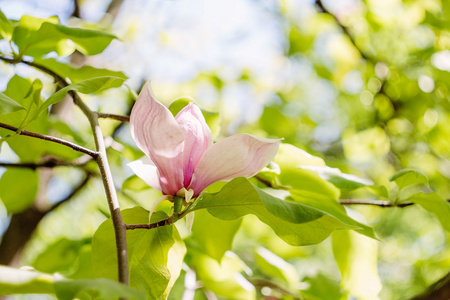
point(36, 37)
point(100, 288)
point(60, 256)
point(19, 281)
point(155, 256)
point(88, 86)
point(204, 232)
point(73, 73)
point(307, 188)
point(18, 188)
point(224, 278)
point(8, 105)
point(322, 287)
point(407, 177)
point(276, 267)
point(435, 204)
point(295, 223)
point(6, 28)
point(409, 183)
point(356, 257)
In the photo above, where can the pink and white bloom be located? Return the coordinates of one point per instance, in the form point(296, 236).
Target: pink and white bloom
point(181, 153)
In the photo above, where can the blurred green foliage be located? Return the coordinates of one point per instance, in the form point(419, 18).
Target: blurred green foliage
point(367, 93)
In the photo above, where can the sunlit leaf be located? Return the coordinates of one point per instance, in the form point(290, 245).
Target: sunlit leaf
point(225, 278)
point(357, 256)
point(155, 256)
point(295, 223)
point(6, 28)
point(435, 204)
point(19, 281)
point(99, 288)
point(307, 188)
point(214, 235)
point(8, 105)
point(18, 188)
point(76, 74)
point(274, 266)
point(89, 86)
point(36, 37)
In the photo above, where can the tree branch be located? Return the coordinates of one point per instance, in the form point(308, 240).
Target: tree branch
point(102, 162)
point(75, 147)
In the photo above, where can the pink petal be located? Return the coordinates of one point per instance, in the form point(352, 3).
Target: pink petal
point(198, 138)
point(145, 169)
point(235, 156)
point(158, 135)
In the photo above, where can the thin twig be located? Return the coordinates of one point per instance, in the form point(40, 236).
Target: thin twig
point(260, 283)
point(395, 104)
point(114, 117)
point(50, 162)
point(380, 203)
point(165, 222)
point(75, 191)
point(53, 139)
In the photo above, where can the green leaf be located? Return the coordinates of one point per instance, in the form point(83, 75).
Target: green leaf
point(211, 118)
point(59, 256)
point(179, 103)
point(322, 287)
point(212, 235)
point(76, 74)
point(134, 183)
point(341, 180)
point(408, 177)
point(274, 266)
point(37, 37)
point(225, 278)
point(6, 27)
point(307, 188)
point(18, 188)
point(19, 281)
point(89, 86)
point(99, 288)
point(295, 223)
point(155, 256)
point(8, 105)
point(290, 156)
point(409, 182)
point(435, 204)
point(356, 256)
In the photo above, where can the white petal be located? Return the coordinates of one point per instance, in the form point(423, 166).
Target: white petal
point(241, 155)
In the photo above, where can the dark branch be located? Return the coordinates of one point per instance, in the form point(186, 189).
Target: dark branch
point(113, 116)
point(381, 203)
point(165, 222)
point(50, 162)
point(93, 154)
point(344, 29)
point(260, 283)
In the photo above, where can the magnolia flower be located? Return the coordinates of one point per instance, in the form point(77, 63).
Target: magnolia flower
point(180, 153)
